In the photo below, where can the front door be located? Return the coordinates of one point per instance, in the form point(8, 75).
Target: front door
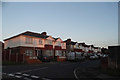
point(39, 54)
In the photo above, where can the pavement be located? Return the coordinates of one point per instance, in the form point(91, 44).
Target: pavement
point(92, 72)
point(89, 69)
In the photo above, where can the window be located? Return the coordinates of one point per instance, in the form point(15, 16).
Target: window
point(59, 43)
point(58, 53)
point(49, 52)
point(71, 46)
point(49, 42)
point(29, 40)
point(29, 52)
point(40, 41)
point(63, 45)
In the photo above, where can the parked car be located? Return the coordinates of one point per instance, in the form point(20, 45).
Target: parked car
point(99, 55)
point(104, 55)
point(79, 56)
point(71, 56)
point(93, 56)
point(45, 58)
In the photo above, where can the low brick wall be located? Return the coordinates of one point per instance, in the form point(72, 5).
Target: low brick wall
point(61, 59)
point(31, 60)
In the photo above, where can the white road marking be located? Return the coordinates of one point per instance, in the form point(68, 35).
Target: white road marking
point(75, 74)
point(18, 76)
point(11, 75)
point(27, 78)
point(18, 73)
point(34, 76)
point(25, 75)
point(46, 79)
point(33, 69)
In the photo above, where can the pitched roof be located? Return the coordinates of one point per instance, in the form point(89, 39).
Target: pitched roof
point(35, 35)
point(55, 38)
point(72, 43)
point(28, 33)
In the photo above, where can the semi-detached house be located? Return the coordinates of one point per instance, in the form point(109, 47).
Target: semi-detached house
point(33, 45)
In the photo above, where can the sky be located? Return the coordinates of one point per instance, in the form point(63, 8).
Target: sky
point(90, 22)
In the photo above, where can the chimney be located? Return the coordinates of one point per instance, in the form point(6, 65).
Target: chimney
point(69, 40)
point(44, 33)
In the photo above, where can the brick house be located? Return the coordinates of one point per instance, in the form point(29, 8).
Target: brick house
point(76, 47)
point(32, 45)
point(70, 45)
point(97, 50)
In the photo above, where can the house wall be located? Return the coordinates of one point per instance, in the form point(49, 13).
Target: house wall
point(76, 46)
point(21, 41)
point(47, 41)
point(34, 44)
point(86, 49)
point(81, 47)
point(57, 42)
point(14, 42)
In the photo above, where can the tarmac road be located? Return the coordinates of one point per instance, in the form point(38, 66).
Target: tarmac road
point(48, 71)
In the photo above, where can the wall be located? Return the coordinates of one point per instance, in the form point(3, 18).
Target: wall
point(14, 42)
point(114, 57)
point(21, 41)
point(35, 42)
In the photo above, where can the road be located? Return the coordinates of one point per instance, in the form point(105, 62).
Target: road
point(48, 71)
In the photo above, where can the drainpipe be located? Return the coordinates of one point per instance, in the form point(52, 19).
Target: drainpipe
point(23, 57)
point(34, 52)
point(16, 57)
point(10, 55)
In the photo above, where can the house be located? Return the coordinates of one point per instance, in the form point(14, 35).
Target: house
point(70, 45)
point(78, 47)
point(75, 47)
point(31, 45)
point(97, 50)
point(59, 47)
point(91, 49)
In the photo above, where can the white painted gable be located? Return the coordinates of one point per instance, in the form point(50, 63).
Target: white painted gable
point(50, 38)
point(59, 39)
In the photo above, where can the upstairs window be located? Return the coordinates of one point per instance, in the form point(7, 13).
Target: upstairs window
point(59, 43)
point(29, 40)
point(63, 45)
point(49, 42)
point(40, 41)
point(71, 46)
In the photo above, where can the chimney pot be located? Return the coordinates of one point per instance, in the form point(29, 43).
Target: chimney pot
point(69, 40)
point(44, 33)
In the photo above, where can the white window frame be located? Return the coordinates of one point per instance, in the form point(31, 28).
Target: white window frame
point(40, 41)
point(49, 42)
point(29, 40)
